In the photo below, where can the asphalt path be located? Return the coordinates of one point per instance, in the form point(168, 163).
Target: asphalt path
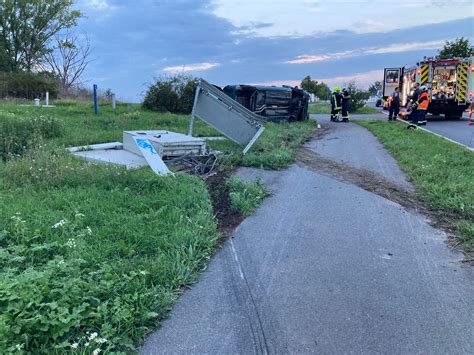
point(325, 266)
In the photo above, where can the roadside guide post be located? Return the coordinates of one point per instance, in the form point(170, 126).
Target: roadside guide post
point(96, 109)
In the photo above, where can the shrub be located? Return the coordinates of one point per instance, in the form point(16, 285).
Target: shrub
point(27, 85)
point(358, 96)
point(173, 94)
point(19, 134)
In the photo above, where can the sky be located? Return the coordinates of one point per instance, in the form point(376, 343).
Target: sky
point(271, 42)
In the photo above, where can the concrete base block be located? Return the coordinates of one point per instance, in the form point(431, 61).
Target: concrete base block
point(113, 156)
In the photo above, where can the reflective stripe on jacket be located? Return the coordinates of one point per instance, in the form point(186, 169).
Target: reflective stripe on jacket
point(336, 100)
point(423, 101)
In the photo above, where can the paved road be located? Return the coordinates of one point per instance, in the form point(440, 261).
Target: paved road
point(325, 266)
point(457, 130)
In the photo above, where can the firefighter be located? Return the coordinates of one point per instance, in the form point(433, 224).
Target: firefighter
point(414, 104)
point(394, 105)
point(345, 104)
point(336, 99)
point(423, 102)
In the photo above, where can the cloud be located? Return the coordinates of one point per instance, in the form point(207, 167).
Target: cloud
point(298, 18)
point(305, 59)
point(405, 47)
point(190, 68)
point(363, 80)
point(99, 4)
point(393, 48)
point(364, 26)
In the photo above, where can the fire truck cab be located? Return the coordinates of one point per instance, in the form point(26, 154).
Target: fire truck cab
point(450, 84)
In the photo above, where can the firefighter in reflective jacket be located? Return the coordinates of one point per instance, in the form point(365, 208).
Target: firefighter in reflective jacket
point(345, 105)
point(423, 102)
point(336, 100)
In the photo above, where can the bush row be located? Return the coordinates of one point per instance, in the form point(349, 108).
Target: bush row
point(26, 85)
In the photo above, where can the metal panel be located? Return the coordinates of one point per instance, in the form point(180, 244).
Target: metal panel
point(226, 115)
point(152, 157)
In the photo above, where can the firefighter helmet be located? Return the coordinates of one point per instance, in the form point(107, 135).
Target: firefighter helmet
point(336, 89)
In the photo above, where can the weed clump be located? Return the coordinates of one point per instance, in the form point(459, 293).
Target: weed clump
point(18, 134)
point(245, 196)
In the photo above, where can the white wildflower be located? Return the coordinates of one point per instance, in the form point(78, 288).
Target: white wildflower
point(60, 223)
point(78, 214)
point(96, 351)
point(71, 243)
point(93, 336)
point(88, 230)
point(86, 344)
point(101, 340)
point(75, 345)
point(60, 262)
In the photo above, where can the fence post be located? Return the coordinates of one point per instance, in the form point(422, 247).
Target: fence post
point(47, 98)
point(96, 109)
point(113, 101)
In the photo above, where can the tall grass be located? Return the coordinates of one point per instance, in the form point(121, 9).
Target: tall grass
point(89, 249)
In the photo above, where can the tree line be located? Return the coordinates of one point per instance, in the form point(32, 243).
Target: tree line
point(40, 49)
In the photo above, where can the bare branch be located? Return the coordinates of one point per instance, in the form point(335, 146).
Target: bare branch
point(68, 58)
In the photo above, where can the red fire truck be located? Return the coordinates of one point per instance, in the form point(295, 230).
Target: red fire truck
point(450, 84)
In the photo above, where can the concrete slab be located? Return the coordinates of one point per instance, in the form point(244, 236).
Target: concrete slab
point(113, 156)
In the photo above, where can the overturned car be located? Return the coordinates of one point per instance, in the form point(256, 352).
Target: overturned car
point(273, 103)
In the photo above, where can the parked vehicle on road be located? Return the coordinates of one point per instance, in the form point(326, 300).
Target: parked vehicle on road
point(450, 84)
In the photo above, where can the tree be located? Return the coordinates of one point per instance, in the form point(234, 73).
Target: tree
point(5, 63)
point(319, 89)
point(26, 26)
point(68, 59)
point(358, 96)
point(375, 88)
point(460, 47)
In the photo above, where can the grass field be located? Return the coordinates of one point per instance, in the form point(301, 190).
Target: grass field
point(93, 256)
point(325, 108)
point(442, 171)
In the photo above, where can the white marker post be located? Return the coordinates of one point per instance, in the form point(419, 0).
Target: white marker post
point(113, 101)
point(47, 98)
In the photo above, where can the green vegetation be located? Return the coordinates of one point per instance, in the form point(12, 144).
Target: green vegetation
point(325, 108)
point(18, 134)
point(93, 256)
point(94, 249)
point(83, 127)
point(460, 47)
point(274, 149)
point(441, 170)
point(171, 94)
point(245, 196)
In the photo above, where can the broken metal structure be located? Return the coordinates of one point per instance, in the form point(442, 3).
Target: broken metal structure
point(141, 148)
point(226, 115)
